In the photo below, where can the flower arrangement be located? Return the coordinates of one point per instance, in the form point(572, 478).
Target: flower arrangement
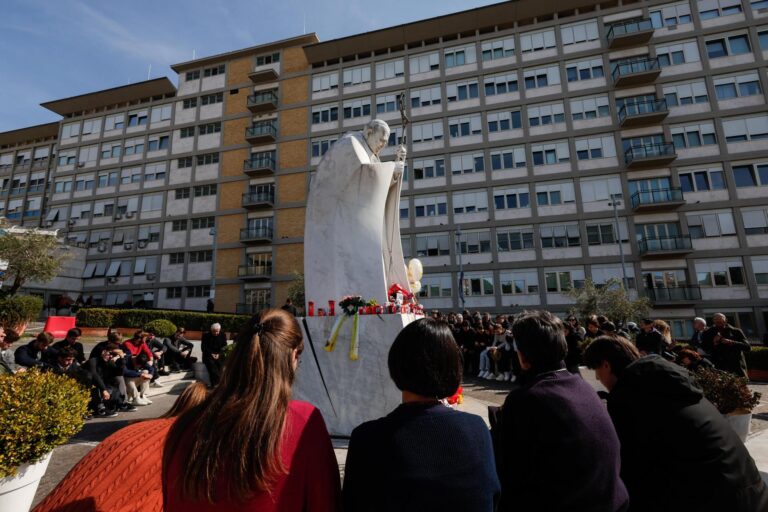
point(350, 305)
point(457, 398)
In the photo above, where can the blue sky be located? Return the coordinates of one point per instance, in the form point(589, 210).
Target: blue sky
point(52, 49)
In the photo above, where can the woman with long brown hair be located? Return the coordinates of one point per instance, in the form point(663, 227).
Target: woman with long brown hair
point(249, 446)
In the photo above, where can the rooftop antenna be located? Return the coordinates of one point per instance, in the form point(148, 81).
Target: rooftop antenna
point(193, 54)
point(149, 72)
point(305, 24)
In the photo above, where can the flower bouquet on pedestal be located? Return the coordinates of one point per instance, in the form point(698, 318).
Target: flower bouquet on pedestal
point(350, 307)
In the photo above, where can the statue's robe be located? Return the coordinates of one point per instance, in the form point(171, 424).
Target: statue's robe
point(352, 230)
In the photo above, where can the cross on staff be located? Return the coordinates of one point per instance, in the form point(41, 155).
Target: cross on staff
point(403, 116)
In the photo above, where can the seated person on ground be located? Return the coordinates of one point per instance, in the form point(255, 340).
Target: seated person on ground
point(33, 354)
point(72, 340)
point(138, 373)
point(178, 351)
point(106, 370)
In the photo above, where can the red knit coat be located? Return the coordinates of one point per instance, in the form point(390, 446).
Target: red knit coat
point(122, 474)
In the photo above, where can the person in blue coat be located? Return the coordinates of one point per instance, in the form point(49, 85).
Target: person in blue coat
point(423, 456)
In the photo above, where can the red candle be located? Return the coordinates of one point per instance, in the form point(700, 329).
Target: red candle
point(310, 308)
point(331, 308)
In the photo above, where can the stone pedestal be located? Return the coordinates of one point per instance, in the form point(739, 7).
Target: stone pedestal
point(359, 390)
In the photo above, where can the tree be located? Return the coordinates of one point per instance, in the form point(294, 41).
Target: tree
point(31, 256)
point(296, 290)
point(609, 299)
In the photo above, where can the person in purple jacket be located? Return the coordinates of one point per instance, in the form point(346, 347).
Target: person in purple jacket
point(558, 449)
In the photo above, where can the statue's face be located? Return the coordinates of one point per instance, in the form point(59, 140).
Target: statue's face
point(377, 139)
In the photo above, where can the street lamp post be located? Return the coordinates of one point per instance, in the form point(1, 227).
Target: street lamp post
point(461, 267)
point(616, 201)
point(212, 294)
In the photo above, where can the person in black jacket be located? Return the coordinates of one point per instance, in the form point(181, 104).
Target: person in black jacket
point(33, 354)
point(649, 340)
point(726, 345)
point(423, 456)
point(651, 397)
point(178, 351)
point(573, 339)
point(558, 450)
point(106, 370)
point(72, 340)
point(212, 344)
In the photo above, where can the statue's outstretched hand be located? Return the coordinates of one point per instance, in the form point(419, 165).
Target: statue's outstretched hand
point(401, 153)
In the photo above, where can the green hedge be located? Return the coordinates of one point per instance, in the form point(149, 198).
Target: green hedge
point(100, 317)
point(17, 310)
point(162, 327)
point(757, 358)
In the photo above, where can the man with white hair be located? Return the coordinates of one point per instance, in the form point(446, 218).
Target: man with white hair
point(727, 345)
point(212, 345)
point(699, 326)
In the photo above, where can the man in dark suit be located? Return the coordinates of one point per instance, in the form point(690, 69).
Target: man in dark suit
point(727, 345)
point(212, 345)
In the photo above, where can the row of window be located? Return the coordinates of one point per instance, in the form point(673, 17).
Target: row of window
point(538, 41)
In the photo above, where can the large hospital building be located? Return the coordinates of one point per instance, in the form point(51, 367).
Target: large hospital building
point(548, 142)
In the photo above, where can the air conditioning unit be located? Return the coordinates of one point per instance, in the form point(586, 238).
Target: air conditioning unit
point(81, 164)
point(102, 247)
point(151, 277)
point(129, 215)
point(112, 279)
point(118, 216)
point(143, 243)
point(48, 223)
point(72, 222)
point(128, 246)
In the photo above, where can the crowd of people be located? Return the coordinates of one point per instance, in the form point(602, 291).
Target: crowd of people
point(119, 372)
point(488, 349)
point(654, 443)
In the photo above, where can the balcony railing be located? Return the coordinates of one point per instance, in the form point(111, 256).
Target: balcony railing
point(262, 101)
point(261, 132)
point(672, 244)
point(657, 197)
point(251, 309)
point(635, 71)
point(251, 199)
point(256, 234)
point(674, 294)
point(631, 32)
point(259, 165)
point(650, 153)
point(254, 271)
point(633, 114)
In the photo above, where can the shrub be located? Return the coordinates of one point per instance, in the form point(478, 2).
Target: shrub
point(38, 412)
point(728, 392)
point(17, 311)
point(96, 317)
point(757, 358)
point(190, 320)
point(163, 328)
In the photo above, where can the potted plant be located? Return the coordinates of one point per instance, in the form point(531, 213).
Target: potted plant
point(38, 412)
point(731, 395)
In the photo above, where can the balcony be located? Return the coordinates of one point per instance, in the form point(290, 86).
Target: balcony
point(648, 155)
point(635, 72)
point(259, 166)
point(643, 113)
point(663, 247)
point(262, 101)
point(261, 76)
point(657, 199)
point(255, 200)
point(675, 295)
point(629, 33)
point(261, 133)
point(255, 273)
point(256, 235)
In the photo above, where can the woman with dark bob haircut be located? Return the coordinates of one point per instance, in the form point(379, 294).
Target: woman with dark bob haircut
point(424, 455)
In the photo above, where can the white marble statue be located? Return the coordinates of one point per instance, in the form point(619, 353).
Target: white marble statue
point(352, 232)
